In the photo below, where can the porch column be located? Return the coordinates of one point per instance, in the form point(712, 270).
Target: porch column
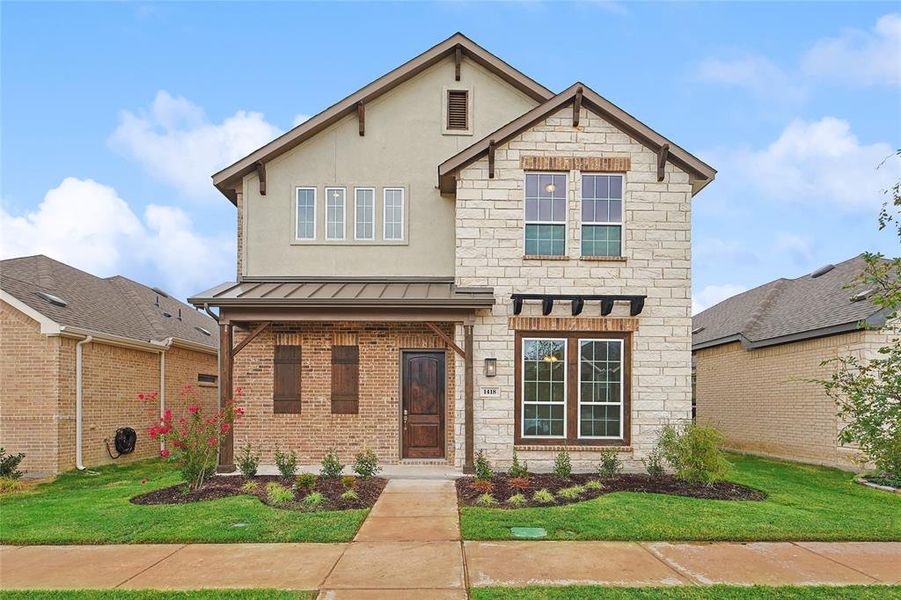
point(227, 447)
point(469, 450)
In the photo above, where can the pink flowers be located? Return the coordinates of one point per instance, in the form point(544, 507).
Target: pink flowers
point(164, 453)
point(213, 441)
point(194, 409)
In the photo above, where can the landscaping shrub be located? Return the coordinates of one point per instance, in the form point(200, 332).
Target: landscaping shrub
point(482, 485)
point(483, 467)
point(543, 497)
point(486, 500)
point(563, 466)
point(9, 464)
point(610, 463)
point(248, 461)
point(519, 483)
point(306, 481)
point(653, 464)
point(194, 438)
point(350, 495)
point(278, 494)
point(594, 484)
point(518, 470)
point(314, 500)
point(286, 462)
point(572, 492)
point(517, 500)
point(9, 485)
point(366, 464)
point(331, 466)
point(694, 452)
point(349, 482)
point(249, 486)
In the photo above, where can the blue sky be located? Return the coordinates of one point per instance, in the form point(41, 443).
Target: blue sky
point(114, 115)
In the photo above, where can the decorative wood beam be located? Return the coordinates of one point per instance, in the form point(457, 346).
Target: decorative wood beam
point(468, 408)
point(577, 107)
point(361, 118)
point(662, 155)
point(447, 339)
point(227, 446)
point(458, 59)
point(636, 303)
point(547, 305)
point(491, 149)
point(578, 304)
point(261, 174)
point(257, 331)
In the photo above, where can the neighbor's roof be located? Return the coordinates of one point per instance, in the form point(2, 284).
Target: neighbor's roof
point(115, 306)
point(226, 179)
point(788, 310)
point(700, 172)
point(351, 292)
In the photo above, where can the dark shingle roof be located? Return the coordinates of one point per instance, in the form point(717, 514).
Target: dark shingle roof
point(788, 309)
point(115, 305)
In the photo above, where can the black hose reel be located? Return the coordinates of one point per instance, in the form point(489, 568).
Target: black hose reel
point(124, 441)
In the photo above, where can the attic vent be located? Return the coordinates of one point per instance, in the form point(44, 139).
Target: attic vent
point(160, 292)
point(458, 110)
point(167, 315)
point(862, 295)
point(697, 330)
point(202, 330)
point(821, 271)
point(55, 300)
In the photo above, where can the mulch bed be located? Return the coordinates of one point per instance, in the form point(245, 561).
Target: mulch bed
point(221, 486)
point(626, 482)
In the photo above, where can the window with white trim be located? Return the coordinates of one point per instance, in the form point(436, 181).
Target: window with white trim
point(334, 213)
point(393, 214)
point(601, 388)
point(602, 215)
point(305, 210)
point(543, 388)
point(364, 213)
point(545, 214)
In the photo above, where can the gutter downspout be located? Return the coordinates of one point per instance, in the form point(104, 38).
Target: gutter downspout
point(168, 344)
point(79, 364)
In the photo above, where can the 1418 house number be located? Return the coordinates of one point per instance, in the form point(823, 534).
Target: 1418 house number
point(489, 392)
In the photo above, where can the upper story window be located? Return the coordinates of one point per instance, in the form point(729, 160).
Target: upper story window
point(545, 218)
point(305, 228)
point(393, 214)
point(334, 213)
point(364, 213)
point(602, 215)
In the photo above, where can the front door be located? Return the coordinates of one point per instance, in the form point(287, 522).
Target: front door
point(423, 404)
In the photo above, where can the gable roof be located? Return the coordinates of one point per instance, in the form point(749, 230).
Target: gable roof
point(788, 310)
point(700, 172)
point(227, 178)
point(115, 306)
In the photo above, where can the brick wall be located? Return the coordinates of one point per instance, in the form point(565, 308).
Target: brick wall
point(312, 432)
point(657, 251)
point(763, 403)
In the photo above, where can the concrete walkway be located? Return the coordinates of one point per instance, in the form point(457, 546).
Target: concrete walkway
point(410, 547)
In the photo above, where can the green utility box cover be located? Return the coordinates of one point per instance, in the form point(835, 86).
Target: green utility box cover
point(529, 532)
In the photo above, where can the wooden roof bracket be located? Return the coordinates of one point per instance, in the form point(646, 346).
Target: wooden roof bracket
point(577, 106)
point(636, 303)
point(361, 118)
point(491, 148)
point(253, 334)
point(662, 155)
point(458, 60)
point(261, 174)
point(446, 338)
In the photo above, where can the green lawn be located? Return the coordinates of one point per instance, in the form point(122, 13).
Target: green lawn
point(715, 592)
point(155, 595)
point(79, 508)
point(805, 503)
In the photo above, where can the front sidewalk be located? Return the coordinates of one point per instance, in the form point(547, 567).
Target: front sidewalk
point(410, 546)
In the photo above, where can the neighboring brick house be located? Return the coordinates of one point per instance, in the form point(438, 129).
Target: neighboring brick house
point(455, 259)
point(756, 353)
point(130, 338)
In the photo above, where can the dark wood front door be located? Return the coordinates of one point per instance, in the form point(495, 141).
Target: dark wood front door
point(423, 405)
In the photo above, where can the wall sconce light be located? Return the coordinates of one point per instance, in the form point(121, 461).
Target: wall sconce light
point(490, 367)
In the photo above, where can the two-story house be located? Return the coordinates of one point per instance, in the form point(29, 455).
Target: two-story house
point(454, 259)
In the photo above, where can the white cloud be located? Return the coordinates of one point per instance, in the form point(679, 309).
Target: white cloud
point(713, 294)
point(859, 57)
point(87, 225)
point(755, 73)
point(175, 142)
point(298, 119)
point(795, 247)
point(719, 250)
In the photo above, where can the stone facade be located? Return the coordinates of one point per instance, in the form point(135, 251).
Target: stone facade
point(656, 262)
point(315, 430)
point(37, 393)
point(763, 402)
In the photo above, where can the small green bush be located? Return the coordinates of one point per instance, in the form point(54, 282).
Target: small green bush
point(517, 500)
point(350, 495)
point(486, 500)
point(9, 485)
point(563, 466)
point(653, 464)
point(694, 452)
point(483, 467)
point(331, 466)
point(9, 464)
point(349, 482)
point(278, 494)
point(366, 464)
point(543, 497)
point(593, 484)
point(313, 500)
point(610, 463)
point(286, 462)
point(518, 469)
point(306, 481)
point(250, 486)
point(248, 461)
point(572, 492)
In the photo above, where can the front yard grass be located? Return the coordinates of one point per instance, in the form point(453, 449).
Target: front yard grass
point(713, 592)
point(80, 508)
point(805, 503)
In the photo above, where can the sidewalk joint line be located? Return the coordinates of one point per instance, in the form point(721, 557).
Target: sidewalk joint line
point(671, 566)
point(830, 559)
point(142, 571)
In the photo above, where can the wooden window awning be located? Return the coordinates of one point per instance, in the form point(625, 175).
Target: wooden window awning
point(636, 303)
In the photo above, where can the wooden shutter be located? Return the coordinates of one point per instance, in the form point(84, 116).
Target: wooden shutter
point(458, 109)
point(286, 385)
point(345, 379)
